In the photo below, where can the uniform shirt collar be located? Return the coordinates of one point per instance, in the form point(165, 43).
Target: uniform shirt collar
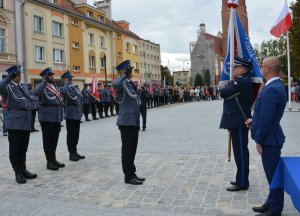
point(15, 83)
point(271, 80)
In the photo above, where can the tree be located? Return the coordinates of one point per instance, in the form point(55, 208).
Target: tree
point(198, 80)
point(273, 47)
point(207, 78)
point(295, 40)
point(165, 72)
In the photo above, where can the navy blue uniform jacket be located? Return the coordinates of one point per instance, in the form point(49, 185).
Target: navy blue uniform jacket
point(232, 116)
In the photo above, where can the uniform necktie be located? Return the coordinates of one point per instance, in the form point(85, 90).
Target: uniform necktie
point(22, 90)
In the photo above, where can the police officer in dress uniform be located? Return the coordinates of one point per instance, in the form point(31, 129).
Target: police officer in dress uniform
point(143, 94)
point(35, 107)
point(106, 97)
point(73, 113)
point(267, 132)
point(233, 119)
point(86, 101)
point(100, 103)
point(128, 121)
point(18, 120)
point(50, 116)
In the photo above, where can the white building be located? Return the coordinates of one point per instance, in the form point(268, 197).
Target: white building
point(150, 61)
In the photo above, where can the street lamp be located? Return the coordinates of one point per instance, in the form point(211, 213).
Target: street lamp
point(105, 70)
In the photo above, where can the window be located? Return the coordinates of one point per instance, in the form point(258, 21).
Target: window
point(2, 40)
point(92, 61)
point(74, 22)
point(101, 19)
point(136, 65)
point(76, 68)
point(102, 42)
point(38, 24)
point(91, 39)
point(135, 49)
point(52, 1)
point(102, 63)
point(1, 3)
point(58, 55)
point(75, 45)
point(57, 29)
point(39, 53)
point(90, 14)
point(128, 47)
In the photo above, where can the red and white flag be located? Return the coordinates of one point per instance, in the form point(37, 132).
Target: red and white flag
point(233, 3)
point(95, 93)
point(283, 22)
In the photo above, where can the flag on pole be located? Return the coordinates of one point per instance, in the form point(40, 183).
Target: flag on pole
point(233, 3)
point(94, 90)
point(244, 50)
point(283, 22)
point(150, 87)
point(164, 82)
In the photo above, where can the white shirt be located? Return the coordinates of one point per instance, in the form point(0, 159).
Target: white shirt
point(271, 80)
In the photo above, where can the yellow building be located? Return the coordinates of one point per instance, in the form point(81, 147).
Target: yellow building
point(75, 36)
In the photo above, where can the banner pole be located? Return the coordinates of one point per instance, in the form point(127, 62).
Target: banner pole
point(289, 68)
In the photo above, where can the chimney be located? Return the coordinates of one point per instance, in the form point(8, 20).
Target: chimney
point(201, 29)
point(104, 6)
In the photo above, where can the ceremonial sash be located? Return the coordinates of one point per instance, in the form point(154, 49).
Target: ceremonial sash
point(54, 91)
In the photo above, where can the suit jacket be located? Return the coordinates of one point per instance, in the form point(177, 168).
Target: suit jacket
point(51, 109)
point(232, 116)
point(269, 109)
point(129, 110)
point(106, 95)
point(72, 98)
point(19, 103)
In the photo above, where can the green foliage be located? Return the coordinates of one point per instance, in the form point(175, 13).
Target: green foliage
point(198, 80)
point(295, 40)
point(165, 72)
point(207, 78)
point(273, 47)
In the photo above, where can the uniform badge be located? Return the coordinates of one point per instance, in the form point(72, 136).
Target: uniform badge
point(235, 83)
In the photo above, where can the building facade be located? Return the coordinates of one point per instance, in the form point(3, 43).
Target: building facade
point(209, 51)
point(150, 61)
point(181, 78)
point(8, 55)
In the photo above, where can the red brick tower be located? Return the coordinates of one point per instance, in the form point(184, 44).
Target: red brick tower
point(242, 12)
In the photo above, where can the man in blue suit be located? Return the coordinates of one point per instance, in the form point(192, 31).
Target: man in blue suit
point(267, 132)
point(19, 103)
point(237, 96)
point(128, 121)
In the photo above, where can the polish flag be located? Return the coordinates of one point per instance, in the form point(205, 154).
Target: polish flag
point(233, 3)
point(94, 90)
point(283, 22)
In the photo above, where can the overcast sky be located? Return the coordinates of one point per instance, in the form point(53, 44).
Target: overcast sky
point(174, 23)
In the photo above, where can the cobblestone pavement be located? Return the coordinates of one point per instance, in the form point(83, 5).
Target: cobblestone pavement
point(182, 154)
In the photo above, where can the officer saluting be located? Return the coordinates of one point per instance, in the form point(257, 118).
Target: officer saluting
point(19, 104)
point(73, 113)
point(50, 116)
point(236, 109)
point(128, 121)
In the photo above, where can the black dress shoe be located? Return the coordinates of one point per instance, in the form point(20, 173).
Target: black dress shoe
point(52, 166)
point(133, 181)
point(261, 209)
point(144, 129)
point(95, 118)
point(268, 213)
point(88, 120)
point(236, 188)
point(28, 175)
point(233, 183)
point(35, 130)
point(79, 156)
point(73, 157)
point(20, 178)
point(139, 178)
point(60, 165)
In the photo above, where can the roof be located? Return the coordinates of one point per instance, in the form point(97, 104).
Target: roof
point(69, 7)
point(217, 43)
